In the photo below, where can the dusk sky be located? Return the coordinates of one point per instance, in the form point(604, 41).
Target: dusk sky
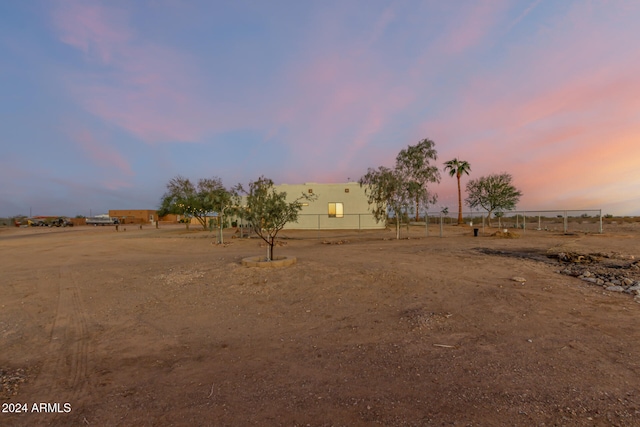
point(103, 102)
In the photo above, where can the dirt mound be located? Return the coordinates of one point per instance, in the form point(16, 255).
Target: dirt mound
point(334, 242)
point(505, 235)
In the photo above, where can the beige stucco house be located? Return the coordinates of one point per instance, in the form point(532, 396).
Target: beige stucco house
point(337, 206)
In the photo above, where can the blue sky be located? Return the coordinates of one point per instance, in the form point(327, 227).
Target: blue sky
point(103, 102)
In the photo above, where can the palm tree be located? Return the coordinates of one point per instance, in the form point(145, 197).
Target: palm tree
point(458, 167)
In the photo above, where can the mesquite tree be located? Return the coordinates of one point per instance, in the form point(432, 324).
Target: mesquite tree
point(194, 201)
point(404, 187)
point(267, 210)
point(493, 193)
point(387, 190)
point(414, 166)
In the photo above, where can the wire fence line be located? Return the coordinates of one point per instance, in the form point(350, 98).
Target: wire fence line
point(586, 220)
point(362, 225)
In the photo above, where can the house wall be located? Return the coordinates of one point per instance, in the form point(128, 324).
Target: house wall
point(353, 200)
point(171, 218)
point(208, 219)
point(134, 216)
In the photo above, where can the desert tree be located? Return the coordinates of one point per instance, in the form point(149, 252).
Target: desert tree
point(403, 188)
point(457, 168)
point(413, 164)
point(494, 192)
point(387, 190)
point(215, 197)
point(267, 210)
point(194, 201)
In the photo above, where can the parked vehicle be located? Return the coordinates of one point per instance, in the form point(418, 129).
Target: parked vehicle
point(102, 220)
point(61, 222)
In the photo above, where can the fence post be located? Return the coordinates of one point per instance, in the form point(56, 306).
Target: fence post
point(426, 224)
point(524, 223)
point(566, 222)
point(600, 221)
point(359, 217)
point(441, 219)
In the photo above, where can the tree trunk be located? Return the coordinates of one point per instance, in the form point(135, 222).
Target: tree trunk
point(397, 228)
point(459, 201)
point(417, 208)
point(270, 250)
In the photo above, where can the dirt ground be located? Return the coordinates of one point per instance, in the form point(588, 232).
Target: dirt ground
point(162, 327)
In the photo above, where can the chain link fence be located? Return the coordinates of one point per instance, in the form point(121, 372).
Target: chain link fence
point(566, 221)
point(363, 226)
point(438, 224)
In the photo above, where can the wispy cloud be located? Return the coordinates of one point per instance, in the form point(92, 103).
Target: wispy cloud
point(524, 13)
point(103, 155)
point(147, 89)
point(96, 30)
point(305, 92)
point(470, 26)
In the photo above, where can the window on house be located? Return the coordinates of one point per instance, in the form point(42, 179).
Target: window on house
point(336, 210)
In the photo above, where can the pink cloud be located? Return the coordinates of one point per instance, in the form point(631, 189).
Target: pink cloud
point(544, 118)
point(150, 91)
point(471, 27)
point(523, 15)
point(101, 153)
point(92, 28)
point(564, 125)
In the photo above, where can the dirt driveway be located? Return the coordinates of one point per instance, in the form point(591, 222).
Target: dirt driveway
point(165, 327)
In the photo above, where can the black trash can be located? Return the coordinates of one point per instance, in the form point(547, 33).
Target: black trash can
point(475, 232)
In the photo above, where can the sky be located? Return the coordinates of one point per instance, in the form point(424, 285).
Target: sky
point(103, 102)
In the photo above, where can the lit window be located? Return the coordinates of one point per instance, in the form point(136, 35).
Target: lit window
point(336, 210)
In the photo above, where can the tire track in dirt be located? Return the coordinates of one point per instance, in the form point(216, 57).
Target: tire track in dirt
point(66, 364)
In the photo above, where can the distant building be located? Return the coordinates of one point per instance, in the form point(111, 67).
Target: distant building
point(135, 216)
